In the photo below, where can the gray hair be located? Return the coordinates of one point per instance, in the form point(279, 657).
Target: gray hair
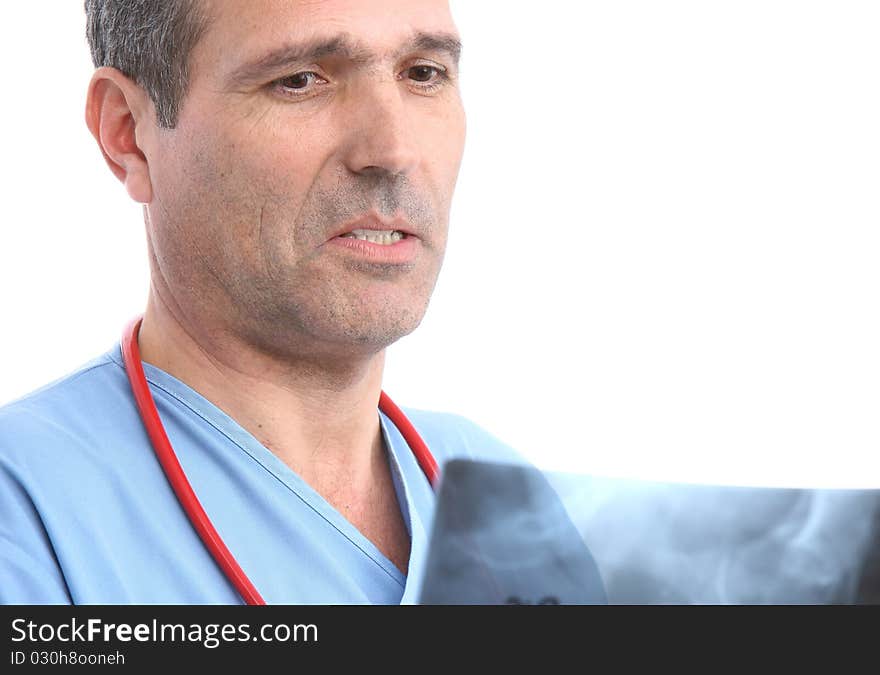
point(150, 41)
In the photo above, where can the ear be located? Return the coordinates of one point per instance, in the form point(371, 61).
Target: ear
point(117, 111)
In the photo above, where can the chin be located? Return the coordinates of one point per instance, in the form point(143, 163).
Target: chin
point(380, 334)
point(379, 338)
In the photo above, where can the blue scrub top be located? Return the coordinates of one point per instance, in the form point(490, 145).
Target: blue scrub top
point(87, 515)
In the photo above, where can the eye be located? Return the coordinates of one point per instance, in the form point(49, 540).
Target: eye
point(299, 84)
point(422, 73)
point(426, 76)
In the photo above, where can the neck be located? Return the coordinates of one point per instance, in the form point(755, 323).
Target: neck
point(319, 416)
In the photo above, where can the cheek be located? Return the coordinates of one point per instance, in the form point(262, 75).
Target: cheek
point(270, 170)
point(221, 186)
point(445, 147)
point(208, 208)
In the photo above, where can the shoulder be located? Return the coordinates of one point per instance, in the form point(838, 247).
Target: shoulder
point(452, 436)
point(52, 466)
point(61, 413)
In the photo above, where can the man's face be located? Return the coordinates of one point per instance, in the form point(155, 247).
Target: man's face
point(304, 120)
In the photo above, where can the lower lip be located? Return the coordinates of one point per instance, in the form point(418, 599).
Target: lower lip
point(399, 253)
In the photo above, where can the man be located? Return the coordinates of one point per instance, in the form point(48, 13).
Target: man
point(296, 161)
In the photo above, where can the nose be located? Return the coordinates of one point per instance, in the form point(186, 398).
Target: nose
point(382, 136)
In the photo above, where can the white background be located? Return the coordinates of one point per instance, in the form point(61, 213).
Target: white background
point(664, 250)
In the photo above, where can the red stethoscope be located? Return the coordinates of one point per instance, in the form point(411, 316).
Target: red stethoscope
point(177, 478)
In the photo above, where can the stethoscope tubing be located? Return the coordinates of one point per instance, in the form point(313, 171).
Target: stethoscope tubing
point(180, 484)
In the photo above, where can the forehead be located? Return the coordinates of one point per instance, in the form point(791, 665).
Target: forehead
point(239, 29)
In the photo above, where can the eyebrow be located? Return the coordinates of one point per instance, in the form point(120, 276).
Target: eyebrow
point(341, 45)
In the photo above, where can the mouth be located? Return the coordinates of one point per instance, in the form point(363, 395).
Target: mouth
point(381, 248)
point(376, 229)
point(380, 237)
point(373, 239)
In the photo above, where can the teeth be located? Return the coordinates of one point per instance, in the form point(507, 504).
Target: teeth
point(376, 236)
